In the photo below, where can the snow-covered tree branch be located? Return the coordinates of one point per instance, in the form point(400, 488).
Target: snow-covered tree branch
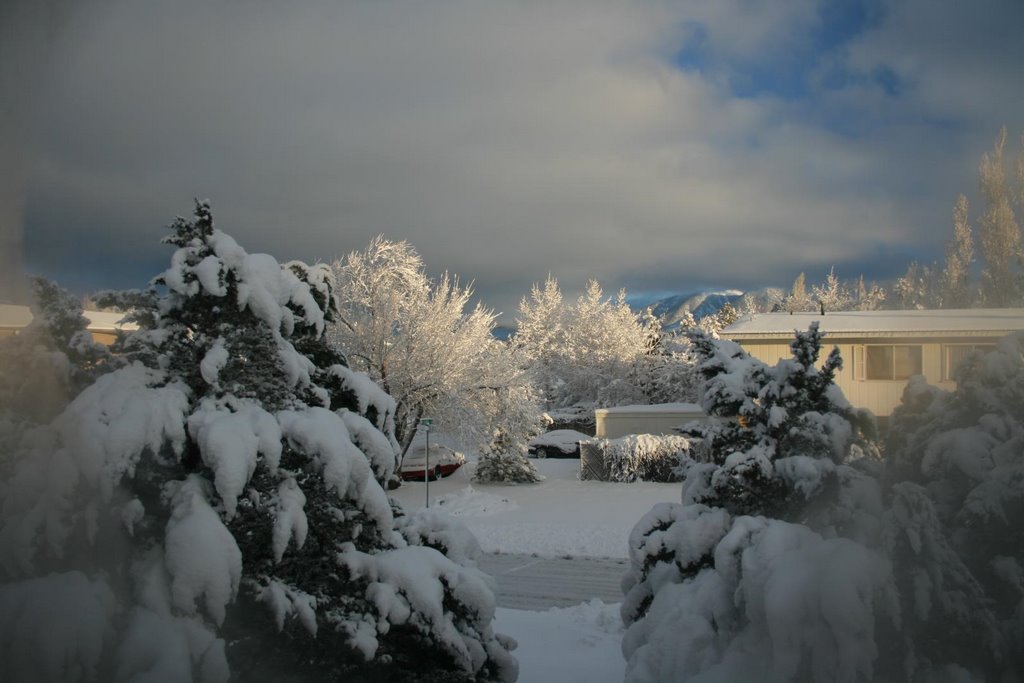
point(596, 351)
point(416, 338)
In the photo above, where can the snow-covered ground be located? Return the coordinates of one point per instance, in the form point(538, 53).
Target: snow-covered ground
point(559, 517)
point(578, 644)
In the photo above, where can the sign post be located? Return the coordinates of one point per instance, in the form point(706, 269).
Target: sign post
point(426, 423)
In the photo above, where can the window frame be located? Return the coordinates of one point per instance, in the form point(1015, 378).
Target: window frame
point(947, 369)
point(860, 362)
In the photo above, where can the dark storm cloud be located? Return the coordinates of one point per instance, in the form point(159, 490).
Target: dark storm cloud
point(506, 141)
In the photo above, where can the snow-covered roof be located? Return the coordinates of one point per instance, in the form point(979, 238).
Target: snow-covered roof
point(15, 317)
point(988, 322)
point(656, 409)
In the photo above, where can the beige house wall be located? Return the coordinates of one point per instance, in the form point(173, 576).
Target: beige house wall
point(878, 396)
point(103, 337)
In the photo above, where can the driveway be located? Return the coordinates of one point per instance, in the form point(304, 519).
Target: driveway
point(536, 583)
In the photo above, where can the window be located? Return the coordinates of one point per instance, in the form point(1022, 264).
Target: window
point(888, 361)
point(953, 355)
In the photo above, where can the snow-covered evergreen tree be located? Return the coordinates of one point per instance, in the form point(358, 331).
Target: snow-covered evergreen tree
point(219, 499)
point(796, 556)
point(504, 460)
point(770, 414)
point(687, 321)
point(745, 579)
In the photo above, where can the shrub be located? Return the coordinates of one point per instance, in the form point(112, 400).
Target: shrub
point(648, 457)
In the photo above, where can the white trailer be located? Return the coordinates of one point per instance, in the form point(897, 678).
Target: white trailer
point(663, 418)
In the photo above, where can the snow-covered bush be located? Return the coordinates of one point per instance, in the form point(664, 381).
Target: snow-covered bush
point(224, 490)
point(751, 599)
point(956, 460)
point(647, 457)
point(501, 463)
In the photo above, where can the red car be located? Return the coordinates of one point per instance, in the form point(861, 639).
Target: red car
point(443, 461)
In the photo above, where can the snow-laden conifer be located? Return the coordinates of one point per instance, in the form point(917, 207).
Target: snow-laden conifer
point(797, 555)
point(223, 493)
point(766, 570)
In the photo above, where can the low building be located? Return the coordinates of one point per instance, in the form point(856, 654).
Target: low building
point(882, 349)
point(663, 418)
point(102, 325)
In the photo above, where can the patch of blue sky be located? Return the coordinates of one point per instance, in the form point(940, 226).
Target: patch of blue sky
point(792, 73)
point(695, 53)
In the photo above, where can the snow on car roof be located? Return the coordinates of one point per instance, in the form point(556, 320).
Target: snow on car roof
point(924, 322)
point(557, 434)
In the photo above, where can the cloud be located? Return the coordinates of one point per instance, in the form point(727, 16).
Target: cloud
point(504, 140)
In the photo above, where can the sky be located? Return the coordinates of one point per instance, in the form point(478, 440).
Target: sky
point(658, 146)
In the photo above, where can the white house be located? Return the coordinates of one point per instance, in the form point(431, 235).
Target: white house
point(102, 325)
point(882, 349)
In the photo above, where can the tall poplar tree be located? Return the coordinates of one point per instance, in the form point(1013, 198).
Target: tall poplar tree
point(998, 230)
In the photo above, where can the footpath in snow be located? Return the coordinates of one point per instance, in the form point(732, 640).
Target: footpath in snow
point(557, 550)
point(537, 583)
